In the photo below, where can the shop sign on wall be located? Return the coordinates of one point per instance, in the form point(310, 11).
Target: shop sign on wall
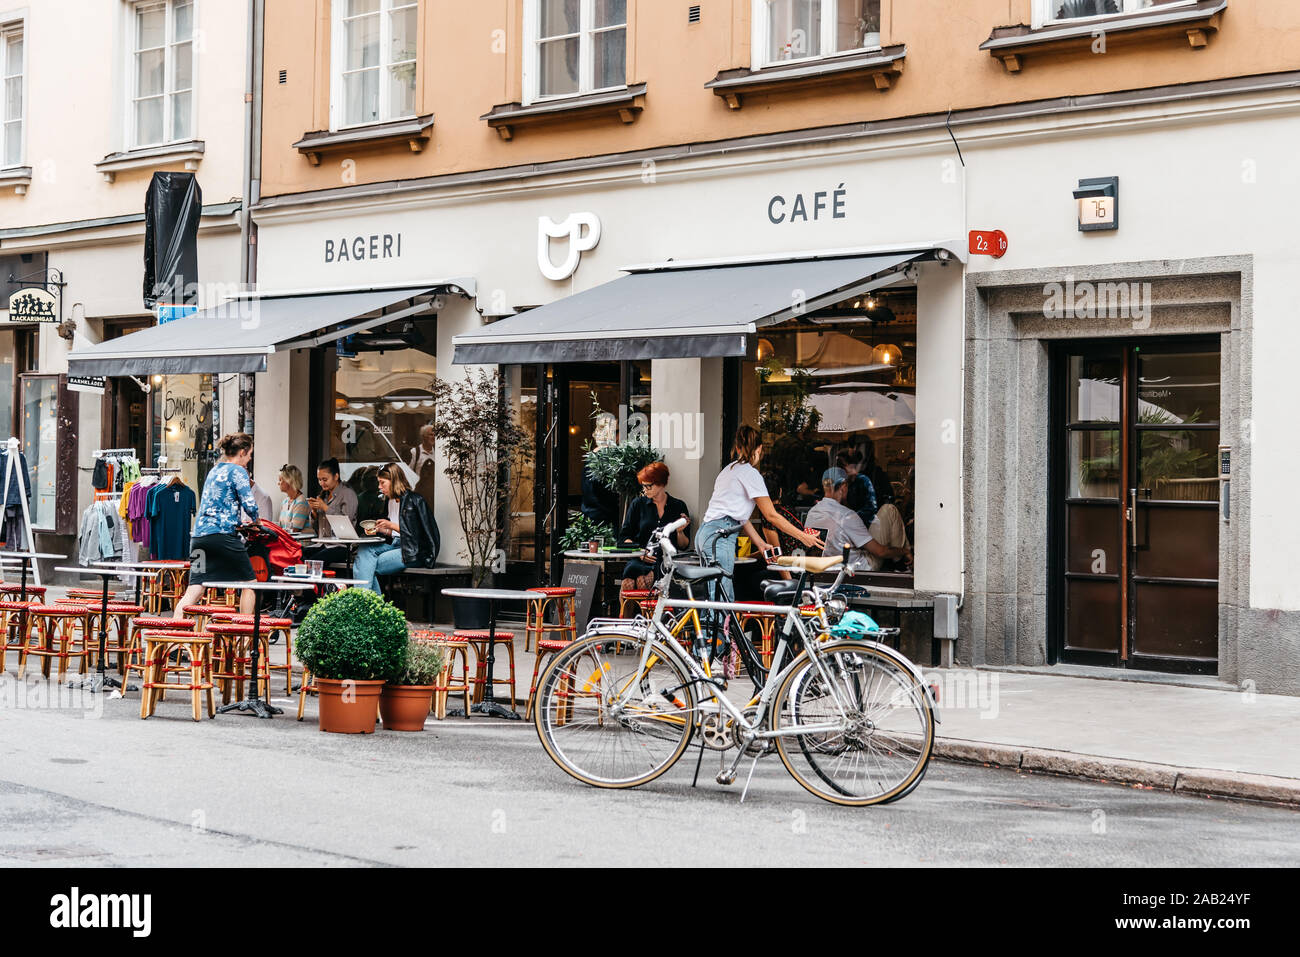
point(33, 305)
point(583, 233)
point(93, 384)
point(804, 207)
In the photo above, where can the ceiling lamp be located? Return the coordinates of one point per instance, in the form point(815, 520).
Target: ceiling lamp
point(765, 349)
point(886, 354)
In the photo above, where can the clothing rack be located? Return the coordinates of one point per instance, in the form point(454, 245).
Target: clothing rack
point(107, 496)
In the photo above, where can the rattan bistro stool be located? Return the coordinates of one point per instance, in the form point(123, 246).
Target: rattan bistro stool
point(766, 622)
point(13, 622)
point(271, 627)
point(447, 683)
point(53, 623)
point(480, 640)
point(562, 599)
point(132, 654)
point(546, 648)
point(231, 652)
point(637, 597)
point(158, 648)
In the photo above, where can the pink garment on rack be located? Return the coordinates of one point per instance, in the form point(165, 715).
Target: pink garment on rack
point(135, 511)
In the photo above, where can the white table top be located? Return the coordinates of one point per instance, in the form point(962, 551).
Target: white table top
point(620, 556)
point(103, 572)
point(5, 555)
point(493, 594)
point(308, 580)
point(362, 540)
point(257, 586)
point(153, 565)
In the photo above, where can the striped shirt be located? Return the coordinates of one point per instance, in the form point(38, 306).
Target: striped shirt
point(295, 513)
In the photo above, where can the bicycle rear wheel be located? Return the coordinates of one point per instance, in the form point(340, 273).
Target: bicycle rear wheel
point(880, 746)
point(608, 722)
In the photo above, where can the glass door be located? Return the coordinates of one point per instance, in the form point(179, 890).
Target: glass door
point(1137, 491)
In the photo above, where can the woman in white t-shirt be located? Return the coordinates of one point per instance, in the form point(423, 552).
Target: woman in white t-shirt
point(739, 490)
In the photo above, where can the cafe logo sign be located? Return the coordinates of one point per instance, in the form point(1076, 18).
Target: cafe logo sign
point(32, 305)
point(579, 242)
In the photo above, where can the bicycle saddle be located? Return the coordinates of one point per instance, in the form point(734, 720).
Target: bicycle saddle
point(780, 592)
point(697, 573)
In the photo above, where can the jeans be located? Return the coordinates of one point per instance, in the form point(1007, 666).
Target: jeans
point(716, 544)
point(375, 560)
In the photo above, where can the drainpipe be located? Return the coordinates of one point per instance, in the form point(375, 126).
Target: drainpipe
point(252, 182)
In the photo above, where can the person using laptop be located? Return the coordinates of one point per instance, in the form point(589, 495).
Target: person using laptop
point(845, 527)
point(335, 499)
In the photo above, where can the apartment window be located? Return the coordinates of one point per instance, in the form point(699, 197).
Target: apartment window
point(803, 29)
point(11, 68)
point(576, 46)
point(162, 72)
point(375, 53)
point(1057, 11)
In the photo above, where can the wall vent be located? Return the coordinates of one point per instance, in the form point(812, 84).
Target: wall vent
point(693, 14)
point(284, 76)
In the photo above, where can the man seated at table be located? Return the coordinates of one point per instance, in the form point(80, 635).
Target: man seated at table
point(845, 527)
point(335, 498)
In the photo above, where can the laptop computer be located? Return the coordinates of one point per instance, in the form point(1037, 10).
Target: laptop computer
point(824, 534)
point(341, 526)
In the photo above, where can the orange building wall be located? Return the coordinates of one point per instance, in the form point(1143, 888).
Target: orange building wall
point(463, 74)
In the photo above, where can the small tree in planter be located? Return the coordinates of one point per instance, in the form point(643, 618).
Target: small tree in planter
point(352, 642)
point(485, 449)
point(408, 698)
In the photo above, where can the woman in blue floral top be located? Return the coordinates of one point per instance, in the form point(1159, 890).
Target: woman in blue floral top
point(217, 553)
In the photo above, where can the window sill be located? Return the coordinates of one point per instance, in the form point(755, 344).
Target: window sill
point(626, 104)
point(881, 67)
point(189, 152)
point(17, 178)
point(1197, 23)
point(413, 133)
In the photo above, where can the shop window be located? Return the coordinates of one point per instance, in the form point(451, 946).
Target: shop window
point(162, 73)
point(11, 69)
point(182, 430)
point(521, 396)
point(841, 380)
point(575, 47)
point(786, 30)
point(40, 438)
point(375, 57)
point(1058, 11)
point(8, 369)
point(383, 413)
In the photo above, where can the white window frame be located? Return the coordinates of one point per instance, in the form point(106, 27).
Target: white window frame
point(586, 60)
point(1044, 10)
point(7, 30)
point(169, 67)
point(338, 61)
point(830, 17)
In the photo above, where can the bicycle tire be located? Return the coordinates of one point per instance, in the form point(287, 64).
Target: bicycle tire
point(579, 733)
point(892, 729)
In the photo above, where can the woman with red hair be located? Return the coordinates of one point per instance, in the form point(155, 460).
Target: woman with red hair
point(653, 509)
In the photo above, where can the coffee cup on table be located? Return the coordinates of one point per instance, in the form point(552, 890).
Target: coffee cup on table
point(593, 546)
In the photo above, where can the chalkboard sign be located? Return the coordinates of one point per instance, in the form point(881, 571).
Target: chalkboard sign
point(583, 576)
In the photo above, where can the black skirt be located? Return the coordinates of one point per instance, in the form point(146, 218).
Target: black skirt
point(219, 558)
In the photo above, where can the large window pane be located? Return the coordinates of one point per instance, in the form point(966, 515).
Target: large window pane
point(149, 121)
point(151, 27)
point(857, 24)
point(183, 21)
point(609, 13)
point(149, 72)
point(1073, 9)
point(14, 55)
point(355, 7)
point(609, 53)
point(183, 66)
point(558, 67)
point(1095, 388)
point(40, 445)
point(13, 137)
point(402, 45)
point(182, 108)
point(362, 40)
point(13, 98)
point(558, 17)
point(1178, 465)
point(794, 29)
point(401, 91)
point(1178, 388)
point(1094, 465)
point(361, 96)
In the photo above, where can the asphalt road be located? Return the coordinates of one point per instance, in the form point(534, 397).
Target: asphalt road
point(80, 789)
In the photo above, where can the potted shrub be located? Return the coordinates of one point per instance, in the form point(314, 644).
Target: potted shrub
point(352, 642)
point(615, 467)
point(484, 449)
point(407, 700)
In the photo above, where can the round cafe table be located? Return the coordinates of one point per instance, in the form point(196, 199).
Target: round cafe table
point(26, 558)
point(101, 679)
point(489, 705)
point(610, 588)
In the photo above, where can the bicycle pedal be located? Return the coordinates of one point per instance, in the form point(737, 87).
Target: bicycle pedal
point(726, 778)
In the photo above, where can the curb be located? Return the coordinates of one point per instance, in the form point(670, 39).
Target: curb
point(1205, 782)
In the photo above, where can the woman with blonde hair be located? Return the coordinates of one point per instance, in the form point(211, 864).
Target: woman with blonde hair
point(413, 539)
point(295, 513)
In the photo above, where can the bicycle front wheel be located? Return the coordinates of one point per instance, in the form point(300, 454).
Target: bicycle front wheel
point(874, 725)
point(608, 721)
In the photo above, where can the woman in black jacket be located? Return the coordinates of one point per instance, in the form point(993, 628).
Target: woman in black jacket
point(653, 508)
point(413, 539)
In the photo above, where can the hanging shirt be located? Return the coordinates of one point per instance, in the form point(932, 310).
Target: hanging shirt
point(170, 508)
point(135, 512)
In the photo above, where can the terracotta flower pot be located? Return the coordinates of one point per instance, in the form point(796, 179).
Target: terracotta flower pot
point(348, 707)
point(404, 707)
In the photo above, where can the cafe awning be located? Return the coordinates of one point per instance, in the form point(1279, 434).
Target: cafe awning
point(672, 311)
point(237, 336)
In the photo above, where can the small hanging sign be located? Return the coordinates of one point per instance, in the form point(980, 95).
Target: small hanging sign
point(33, 305)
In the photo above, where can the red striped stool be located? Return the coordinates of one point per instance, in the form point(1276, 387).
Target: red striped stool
point(49, 620)
point(546, 648)
point(133, 649)
point(636, 596)
point(271, 627)
point(479, 640)
point(203, 613)
point(220, 596)
point(232, 648)
point(159, 646)
point(14, 591)
point(447, 684)
point(561, 597)
point(13, 622)
point(766, 629)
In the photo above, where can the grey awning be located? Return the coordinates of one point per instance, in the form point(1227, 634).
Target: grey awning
point(669, 313)
point(237, 336)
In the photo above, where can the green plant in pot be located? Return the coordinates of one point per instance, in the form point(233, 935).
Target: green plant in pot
point(484, 449)
point(406, 700)
point(352, 642)
point(583, 530)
